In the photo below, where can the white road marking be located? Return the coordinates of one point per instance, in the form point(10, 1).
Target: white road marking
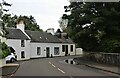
point(11, 75)
point(57, 68)
point(53, 65)
point(61, 70)
point(49, 62)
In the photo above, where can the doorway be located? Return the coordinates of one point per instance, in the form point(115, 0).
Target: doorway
point(47, 52)
point(66, 50)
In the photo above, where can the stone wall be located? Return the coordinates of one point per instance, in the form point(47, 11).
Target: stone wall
point(104, 58)
point(2, 62)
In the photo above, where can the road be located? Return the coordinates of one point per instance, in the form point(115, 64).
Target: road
point(56, 67)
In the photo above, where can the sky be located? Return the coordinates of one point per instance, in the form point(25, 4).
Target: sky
point(46, 12)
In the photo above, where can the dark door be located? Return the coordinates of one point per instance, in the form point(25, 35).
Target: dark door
point(47, 52)
point(66, 50)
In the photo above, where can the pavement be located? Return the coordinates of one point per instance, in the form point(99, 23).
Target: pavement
point(107, 68)
point(9, 69)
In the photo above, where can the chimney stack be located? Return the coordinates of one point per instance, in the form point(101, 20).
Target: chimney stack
point(21, 25)
point(51, 31)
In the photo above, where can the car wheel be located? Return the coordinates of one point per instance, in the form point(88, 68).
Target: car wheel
point(12, 60)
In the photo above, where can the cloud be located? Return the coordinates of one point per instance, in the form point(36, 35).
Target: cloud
point(46, 12)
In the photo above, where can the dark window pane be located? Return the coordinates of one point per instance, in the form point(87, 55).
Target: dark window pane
point(38, 51)
point(22, 54)
point(56, 50)
point(71, 48)
point(22, 43)
point(63, 48)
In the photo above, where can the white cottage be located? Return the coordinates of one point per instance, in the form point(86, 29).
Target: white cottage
point(45, 45)
point(34, 44)
point(19, 41)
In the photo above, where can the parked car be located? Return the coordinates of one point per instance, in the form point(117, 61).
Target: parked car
point(11, 58)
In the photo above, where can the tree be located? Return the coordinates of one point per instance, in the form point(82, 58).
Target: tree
point(90, 25)
point(3, 3)
point(30, 22)
point(4, 51)
point(63, 23)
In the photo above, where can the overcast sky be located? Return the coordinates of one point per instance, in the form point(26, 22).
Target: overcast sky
point(46, 12)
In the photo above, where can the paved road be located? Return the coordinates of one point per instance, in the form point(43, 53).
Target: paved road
point(56, 67)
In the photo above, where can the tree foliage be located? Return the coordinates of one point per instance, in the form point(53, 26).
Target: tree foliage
point(94, 26)
point(30, 22)
point(4, 51)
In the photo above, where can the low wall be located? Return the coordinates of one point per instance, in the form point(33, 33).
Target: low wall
point(104, 58)
point(79, 51)
point(2, 62)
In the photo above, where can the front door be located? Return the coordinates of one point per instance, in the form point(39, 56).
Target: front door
point(47, 52)
point(66, 50)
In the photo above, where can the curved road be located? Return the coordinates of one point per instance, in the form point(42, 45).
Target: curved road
point(56, 67)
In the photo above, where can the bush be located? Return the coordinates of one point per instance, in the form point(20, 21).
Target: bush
point(110, 45)
point(4, 50)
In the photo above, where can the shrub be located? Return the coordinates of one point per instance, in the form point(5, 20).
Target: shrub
point(4, 50)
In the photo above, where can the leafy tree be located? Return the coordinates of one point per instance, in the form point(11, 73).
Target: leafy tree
point(30, 22)
point(4, 51)
point(91, 25)
point(63, 23)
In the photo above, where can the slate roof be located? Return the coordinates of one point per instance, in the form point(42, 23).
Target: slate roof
point(44, 37)
point(15, 34)
point(63, 40)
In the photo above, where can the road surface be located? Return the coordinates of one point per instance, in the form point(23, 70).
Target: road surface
point(56, 67)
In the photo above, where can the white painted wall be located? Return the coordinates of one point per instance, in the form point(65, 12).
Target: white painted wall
point(16, 44)
point(3, 39)
point(33, 49)
point(69, 50)
point(79, 51)
point(2, 62)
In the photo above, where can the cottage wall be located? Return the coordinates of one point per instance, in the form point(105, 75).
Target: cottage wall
point(16, 44)
point(33, 49)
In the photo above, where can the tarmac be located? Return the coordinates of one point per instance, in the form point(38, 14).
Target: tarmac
point(11, 68)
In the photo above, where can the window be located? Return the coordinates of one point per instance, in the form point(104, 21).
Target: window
point(63, 48)
point(71, 48)
point(22, 54)
point(56, 50)
point(38, 50)
point(22, 43)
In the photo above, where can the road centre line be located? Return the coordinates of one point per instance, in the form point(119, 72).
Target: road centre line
point(11, 75)
point(57, 68)
point(53, 65)
point(61, 70)
point(49, 62)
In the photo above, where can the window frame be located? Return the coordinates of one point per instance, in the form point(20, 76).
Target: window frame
point(56, 51)
point(71, 48)
point(22, 54)
point(22, 43)
point(38, 50)
point(63, 48)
